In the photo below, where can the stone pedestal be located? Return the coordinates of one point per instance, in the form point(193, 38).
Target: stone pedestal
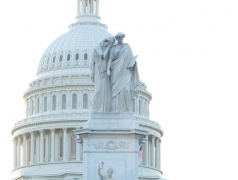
point(111, 139)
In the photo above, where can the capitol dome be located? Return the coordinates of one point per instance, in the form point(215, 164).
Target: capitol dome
point(71, 51)
point(59, 100)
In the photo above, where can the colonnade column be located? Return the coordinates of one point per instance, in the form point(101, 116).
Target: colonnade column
point(24, 150)
point(158, 160)
point(84, 6)
point(14, 153)
point(18, 151)
point(41, 146)
point(65, 145)
point(77, 152)
point(81, 151)
point(92, 6)
point(32, 147)
point(46, 148)
point(152, 151)
point(78, 8)
point(97, 7)
point(52, 145)
point(145, 153)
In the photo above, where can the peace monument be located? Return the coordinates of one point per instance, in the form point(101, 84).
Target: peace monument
point(87, 111)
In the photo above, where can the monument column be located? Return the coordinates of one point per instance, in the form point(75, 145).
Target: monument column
point(14, 153)
point(24, 150)
point(41, 146)
point(152, 151)
point(65, 145)
point(52, 145)
point(32, 147)
point(18, 151)
point(157, 155)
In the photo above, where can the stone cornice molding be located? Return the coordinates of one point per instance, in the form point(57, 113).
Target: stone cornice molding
point(47, 163)
point(53, 117)
point(150, 167)
point(45, 122)
point(89, 23)
point(57, 79)
point(58, 87)
point(154, 128)
point(144, 93)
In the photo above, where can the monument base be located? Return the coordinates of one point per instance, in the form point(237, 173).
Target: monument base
point(110, 146)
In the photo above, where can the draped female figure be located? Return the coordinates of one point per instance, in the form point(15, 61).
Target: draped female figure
point(102, 101)
point(122, 68)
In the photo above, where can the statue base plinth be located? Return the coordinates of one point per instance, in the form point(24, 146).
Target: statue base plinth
point(111, 138)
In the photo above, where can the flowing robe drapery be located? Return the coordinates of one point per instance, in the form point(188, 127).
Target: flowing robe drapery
point(124, 78)
point(102, 99)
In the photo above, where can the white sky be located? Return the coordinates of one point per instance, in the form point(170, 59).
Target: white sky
point(188, 57)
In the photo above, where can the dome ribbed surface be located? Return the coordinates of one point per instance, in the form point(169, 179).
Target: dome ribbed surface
point(62, 52)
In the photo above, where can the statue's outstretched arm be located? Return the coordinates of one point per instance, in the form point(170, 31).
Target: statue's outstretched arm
point(99, 173)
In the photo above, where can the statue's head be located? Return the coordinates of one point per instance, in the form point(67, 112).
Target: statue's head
point(119, 37)
point(110, 171)
point(109, 40)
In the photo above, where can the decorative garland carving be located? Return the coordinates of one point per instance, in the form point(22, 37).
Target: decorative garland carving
point(111, 145)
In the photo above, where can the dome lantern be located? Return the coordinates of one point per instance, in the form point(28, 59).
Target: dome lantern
point(88, 10)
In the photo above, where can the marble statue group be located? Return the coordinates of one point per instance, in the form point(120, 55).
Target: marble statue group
point(115, 75)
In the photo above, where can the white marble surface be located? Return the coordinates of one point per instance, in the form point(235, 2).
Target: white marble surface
point(111, 138)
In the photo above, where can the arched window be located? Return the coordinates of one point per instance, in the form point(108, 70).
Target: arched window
point(61, 146)
point(54, 102)
point(38, 105)
point(63, 101)
point(35, 148)
point(48, 60)
point(85, 101)
point(73, 146)
point(44, 62)
point(144, 108)
point(29, 150)
point(77, 56)
point(134, 105)
point(54, 59)
point(44, 148)
point(45, 104)
point(49, 146)
point(74, 101)
point(61, 58)
point(32, 107)
point(85, 57)
point(68, 57)
point(27, 109)
point(139, 107)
